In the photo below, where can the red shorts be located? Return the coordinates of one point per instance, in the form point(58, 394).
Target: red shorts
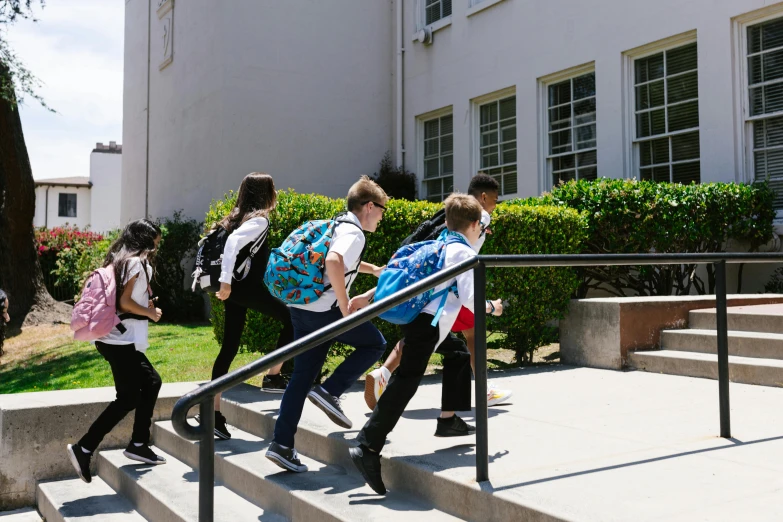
point(465, 320)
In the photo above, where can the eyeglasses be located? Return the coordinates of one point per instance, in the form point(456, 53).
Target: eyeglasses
point(383, 209)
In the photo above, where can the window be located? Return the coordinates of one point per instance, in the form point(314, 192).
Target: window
point(765, 102)
point(572, 129)
point(67, 205)
point(439, 157)
point(435, 10)
point(667, 115)
point(498, 142)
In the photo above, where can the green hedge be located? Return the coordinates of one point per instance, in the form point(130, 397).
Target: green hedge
point(629, 216)
point(535, 296)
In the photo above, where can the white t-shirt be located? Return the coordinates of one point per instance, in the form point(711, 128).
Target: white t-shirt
point(136, 330)
point(455, 253)
point(247, 232)
point(348, 241)
point(486, 219)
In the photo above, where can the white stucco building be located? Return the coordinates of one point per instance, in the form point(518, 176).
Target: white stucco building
point(315, 92)
point(88, 201)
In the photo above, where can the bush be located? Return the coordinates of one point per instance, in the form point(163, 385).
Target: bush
point(516, 229)
point(629, 216)
point(397, 182)
point(176, 250)
point(67, 243)
point(75, 264)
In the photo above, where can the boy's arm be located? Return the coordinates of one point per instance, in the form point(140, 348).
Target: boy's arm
point(361, 301)
point(335, 269)
point(369, 268)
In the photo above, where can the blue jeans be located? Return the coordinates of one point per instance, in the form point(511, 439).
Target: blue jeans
point(369, 346)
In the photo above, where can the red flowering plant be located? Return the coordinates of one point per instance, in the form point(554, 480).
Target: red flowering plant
point(56, 243)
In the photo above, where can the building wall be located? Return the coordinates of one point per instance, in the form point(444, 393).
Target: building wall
point(82, 219)
point(300, 90)
point(106, 177)
point(515, 43)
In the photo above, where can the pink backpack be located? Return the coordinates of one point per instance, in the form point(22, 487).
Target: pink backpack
point(95, 315)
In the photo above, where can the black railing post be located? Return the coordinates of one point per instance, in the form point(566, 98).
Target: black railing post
point(723, 348)
point(206, 462)
point(480, 310)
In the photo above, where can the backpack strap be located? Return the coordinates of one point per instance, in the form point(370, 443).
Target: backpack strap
point(338, 221)
point(241, 270)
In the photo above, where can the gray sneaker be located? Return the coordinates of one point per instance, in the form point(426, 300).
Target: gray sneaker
point(286, 458)
point(330, 405)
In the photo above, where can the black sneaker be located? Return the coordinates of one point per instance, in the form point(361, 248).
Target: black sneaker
point(221, 430)
point(80, 461)
point(274, 383)
point(369, 465)
point(330, 405)
point(286, 458)
point(454, 427)
point(143, 454)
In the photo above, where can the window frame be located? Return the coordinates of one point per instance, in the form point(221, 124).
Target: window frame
point(421, 18)
point(744, 123)
point(632, 152)
point(475, 132)
point(545, 170)
point(422, 152)
point(60, 203)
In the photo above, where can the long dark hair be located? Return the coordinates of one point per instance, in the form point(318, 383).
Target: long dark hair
point(137, 240)
point(256, 198)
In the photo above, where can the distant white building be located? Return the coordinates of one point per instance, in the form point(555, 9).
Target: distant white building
point(92, 202)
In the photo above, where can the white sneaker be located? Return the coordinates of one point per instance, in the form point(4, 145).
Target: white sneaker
point(497, 396)
point(375, 384)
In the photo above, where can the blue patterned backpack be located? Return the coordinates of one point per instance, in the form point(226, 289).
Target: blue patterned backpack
point(295, 271)
point(410, 264)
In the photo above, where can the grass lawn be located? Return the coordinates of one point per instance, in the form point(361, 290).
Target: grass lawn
point(47, 358)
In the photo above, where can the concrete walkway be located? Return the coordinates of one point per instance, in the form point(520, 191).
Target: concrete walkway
point(596, 445)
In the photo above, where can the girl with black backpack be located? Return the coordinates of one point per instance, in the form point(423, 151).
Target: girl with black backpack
point(248, 222)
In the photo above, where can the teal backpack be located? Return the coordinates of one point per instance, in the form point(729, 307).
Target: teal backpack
point(295, 271)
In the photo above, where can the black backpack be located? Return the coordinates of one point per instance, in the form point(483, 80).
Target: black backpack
point(429, 229)
point(209, 259)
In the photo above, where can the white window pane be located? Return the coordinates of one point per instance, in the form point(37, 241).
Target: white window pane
point(447, 144)
point(508, 108)
point(584, 86)
point(651, 123)
point(584, 111)
point(562, 163)
point(686, 173)
point(654, 152)
point(560, 93)
point(447, 164)
point(588, 173)
point(587, 158)
point(683, 87)
point(650, 68)
point(681, 59)
point(431, 168)
point(431, 129)
point(560, 142)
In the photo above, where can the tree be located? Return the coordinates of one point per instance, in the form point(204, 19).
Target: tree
point(20, 273)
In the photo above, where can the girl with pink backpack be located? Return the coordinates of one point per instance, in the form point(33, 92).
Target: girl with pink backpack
point(114, 312)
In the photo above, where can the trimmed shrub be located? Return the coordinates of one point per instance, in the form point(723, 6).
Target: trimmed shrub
point(535, 296)
point(629, 216)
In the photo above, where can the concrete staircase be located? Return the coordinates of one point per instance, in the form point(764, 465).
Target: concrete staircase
point(248, 486)
point(755, 347)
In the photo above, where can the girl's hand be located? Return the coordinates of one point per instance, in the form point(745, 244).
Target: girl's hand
point(498, 306)
point(224, 292)
point(6, 318)
point(358, 302)
point(154, 314)
point(377, 271)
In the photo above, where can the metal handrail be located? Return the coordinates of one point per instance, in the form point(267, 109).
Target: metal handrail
point(204, 395)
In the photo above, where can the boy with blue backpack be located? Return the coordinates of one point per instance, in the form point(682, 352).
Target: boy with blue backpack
point(423, 335)
point(335, 248)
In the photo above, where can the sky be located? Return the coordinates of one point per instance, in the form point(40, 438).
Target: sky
point(76, 51)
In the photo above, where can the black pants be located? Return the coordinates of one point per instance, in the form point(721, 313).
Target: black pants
point(420, 340)
point(137, 384)
point(255, 298)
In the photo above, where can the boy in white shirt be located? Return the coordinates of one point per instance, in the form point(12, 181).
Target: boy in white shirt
point(366, 204)
point(463, 219)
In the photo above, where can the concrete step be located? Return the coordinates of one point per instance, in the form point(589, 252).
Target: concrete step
point(20, 515)
point(74, 501)
point(746, 370)
point(325, 492)
point(426, 475)
point(169, 492)
point(758, 318)
point(744, 344)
